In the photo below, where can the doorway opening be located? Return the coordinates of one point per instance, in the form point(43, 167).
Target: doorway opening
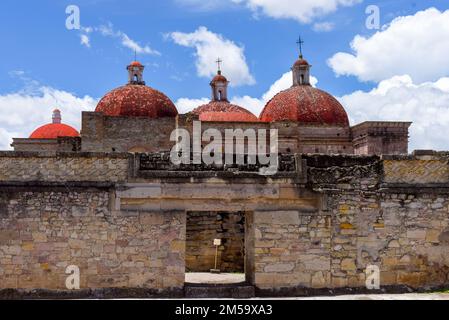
point(215, 241)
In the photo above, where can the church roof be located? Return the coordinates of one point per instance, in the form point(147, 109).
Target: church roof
point(53, 131)
point(224, 111)
point(136, 101)
point(305, 104)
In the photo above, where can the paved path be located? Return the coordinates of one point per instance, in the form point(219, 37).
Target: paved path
point(211, 278)
point(405, 296)
point(228, 278)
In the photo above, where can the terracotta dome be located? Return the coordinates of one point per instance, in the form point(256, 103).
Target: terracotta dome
point(305, 104)
point(301, 62)
point(224, 111)
point(134, 100)
point(219, 78)
point(135, 64)
point(53, 131)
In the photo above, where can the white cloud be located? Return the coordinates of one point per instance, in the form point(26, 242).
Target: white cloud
point(208, 47)
point(125, 40)
point(23, 112)
point(417, 45)
point(85, 41)
point(185, 105)
point(134, 46)
point(399, 99)
point(304, 11)
point(255, 105)
point(323, 26)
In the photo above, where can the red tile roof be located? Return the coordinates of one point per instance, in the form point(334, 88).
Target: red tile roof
point(305, 104)
point(136, 101)
point(224, 111)
point(53, 131)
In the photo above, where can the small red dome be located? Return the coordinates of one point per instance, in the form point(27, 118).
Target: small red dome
point(53, 131)
point(136, 101)
point(305, 104)
point(135, 64)
point(301, 62)
point(219, 78)
point(224, 112)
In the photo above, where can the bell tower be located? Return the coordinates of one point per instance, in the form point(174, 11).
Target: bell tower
point(301, 69)
point(219, 85)
point(56, 117)
point(135, 73)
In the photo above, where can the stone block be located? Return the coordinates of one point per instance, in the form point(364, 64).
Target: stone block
point(279, 267)
point(348, 265)
point(416, 234)
point(286, 217)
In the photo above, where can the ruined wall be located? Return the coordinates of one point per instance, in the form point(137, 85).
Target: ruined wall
point(101, 133)
point(42, 231)
point(55, 166)
point(291, 249)
point(60, 144)
point(381, 137)
point(202, 228)
point(317, 224)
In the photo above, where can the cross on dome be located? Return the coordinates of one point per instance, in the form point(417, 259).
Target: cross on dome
point(301, 68)
point(300, 42)
point(219, 61)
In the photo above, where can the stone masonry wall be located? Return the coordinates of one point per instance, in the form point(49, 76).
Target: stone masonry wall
point(42, 232)
point(54, 167)
point(392, 213)
point(202, 228)
point(389, 211)
point(291, 250)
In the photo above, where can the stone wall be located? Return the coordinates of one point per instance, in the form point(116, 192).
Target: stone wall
point(318, 225)
point(202, 228)
point(291, 249)
point(101, 133)
point(44, 231)
point(374, 137)
point(58, 166)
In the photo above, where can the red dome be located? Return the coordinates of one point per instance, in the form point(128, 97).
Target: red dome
point(219, 78)
point(301, 62)
point(53, 131)
point(136, 101)
point(305, 104)
point(224, 111)
point(135, 64)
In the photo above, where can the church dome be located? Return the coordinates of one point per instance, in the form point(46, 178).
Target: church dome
point(305, 104)
point(136, 99)
point(219, 109)
point(301, 62)
point(55, 129)
point(224, 111)
point(219, 78)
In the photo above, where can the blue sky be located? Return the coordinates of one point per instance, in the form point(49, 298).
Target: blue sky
point(39, 52)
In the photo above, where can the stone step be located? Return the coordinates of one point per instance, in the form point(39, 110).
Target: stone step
point(233, 291)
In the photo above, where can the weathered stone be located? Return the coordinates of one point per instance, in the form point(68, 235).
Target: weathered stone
point(416, 234)
point(279, 267)
point(348, 265)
